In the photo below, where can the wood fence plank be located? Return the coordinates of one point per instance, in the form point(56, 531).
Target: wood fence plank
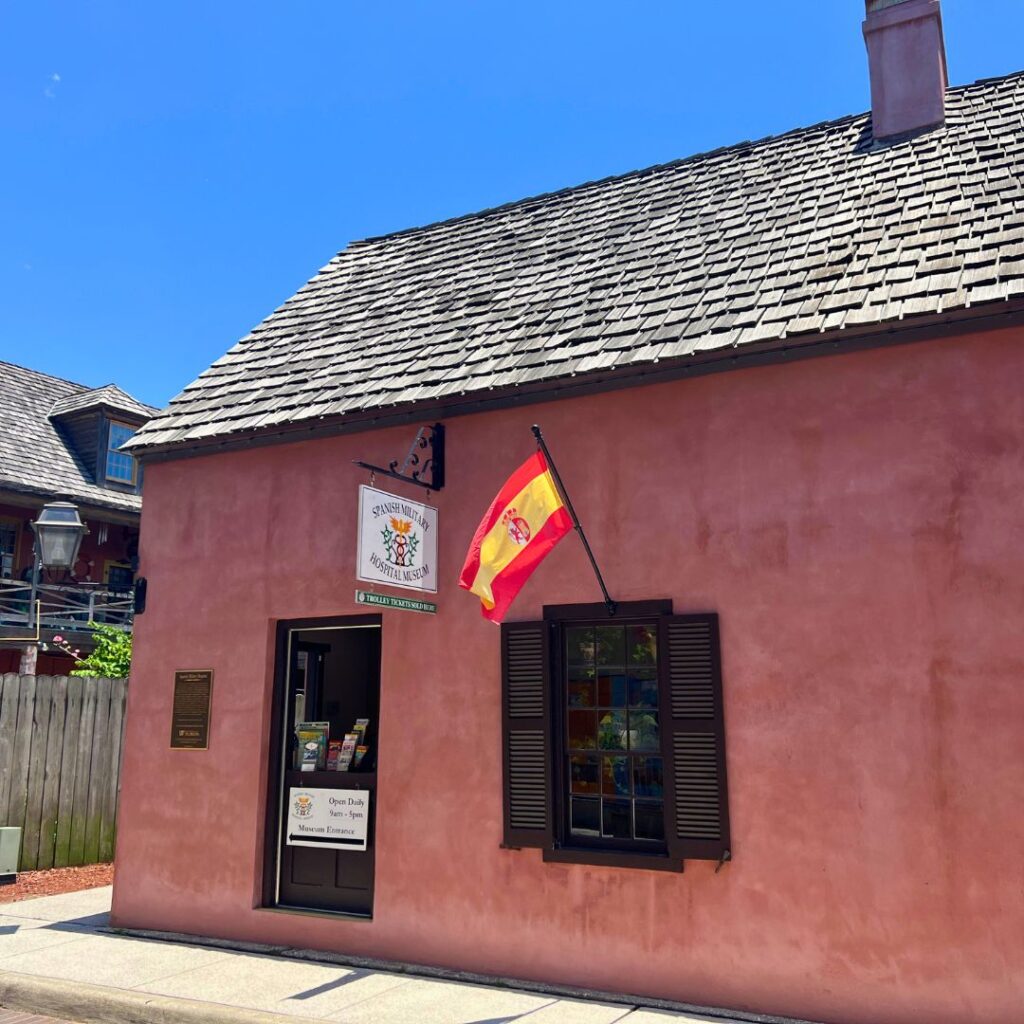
point(10, 688)
point(83, 769)
point(51, 786)
point(98, 774)
point(108, 827)
point(40, 725)
point(68, 766)
point(20, 757)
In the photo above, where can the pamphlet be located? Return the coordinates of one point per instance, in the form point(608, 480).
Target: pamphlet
point(333, 755)
point(312, 738)
point(348, 749)
point(362, 724)
point(360, 754)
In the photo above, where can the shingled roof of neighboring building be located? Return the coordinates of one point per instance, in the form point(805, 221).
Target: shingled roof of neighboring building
point(36, 458)
point(110, 396)
point(762, 244)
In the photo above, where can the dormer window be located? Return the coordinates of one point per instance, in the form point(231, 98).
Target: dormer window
point(120, 467)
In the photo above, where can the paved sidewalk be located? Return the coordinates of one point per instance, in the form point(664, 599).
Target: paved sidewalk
point(60, 939)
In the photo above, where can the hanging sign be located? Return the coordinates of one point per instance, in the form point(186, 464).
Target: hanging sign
point(335, 818)
point(190, 710)
point(397, 541)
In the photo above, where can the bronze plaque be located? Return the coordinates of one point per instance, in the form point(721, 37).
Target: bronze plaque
point(190, 716)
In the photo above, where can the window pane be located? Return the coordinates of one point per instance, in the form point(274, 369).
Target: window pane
point(611, 645)
point(648, 776)
point(615, 776)
point(642, 645)
point(579, 645)
point(120, 467)
point(585, 816)
point(612, 735)
point(650, 821)
point(582, 694)
point(119, 434)
point(616, 819)
point(583, 775)
point(579, 673)
point(643, 730)
point(611, 689)
point(643, 688)
point(582, 730)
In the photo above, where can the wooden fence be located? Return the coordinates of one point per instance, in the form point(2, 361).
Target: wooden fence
point(60, 761)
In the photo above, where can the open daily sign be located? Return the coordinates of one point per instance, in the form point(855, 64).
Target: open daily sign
point(335, 818)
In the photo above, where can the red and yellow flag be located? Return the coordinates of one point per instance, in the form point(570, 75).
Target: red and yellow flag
point(525, 521)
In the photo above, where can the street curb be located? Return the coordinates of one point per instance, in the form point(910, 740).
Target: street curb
point(95, 1004)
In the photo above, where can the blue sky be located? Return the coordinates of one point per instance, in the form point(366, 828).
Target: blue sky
point(171, 172)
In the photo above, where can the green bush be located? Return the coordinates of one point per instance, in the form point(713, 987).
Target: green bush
point(111, 658)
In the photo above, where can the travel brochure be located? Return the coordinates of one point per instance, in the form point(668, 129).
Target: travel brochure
point(317, 752)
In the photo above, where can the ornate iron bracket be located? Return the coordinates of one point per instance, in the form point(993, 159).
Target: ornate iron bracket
point(423, 470)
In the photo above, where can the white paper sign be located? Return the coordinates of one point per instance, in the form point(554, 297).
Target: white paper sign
point(335, 818)
point(397, 541)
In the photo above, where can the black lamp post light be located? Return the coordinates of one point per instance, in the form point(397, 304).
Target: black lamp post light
point(59, 532)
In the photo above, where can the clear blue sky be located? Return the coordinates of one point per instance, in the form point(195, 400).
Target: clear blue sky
point(171, 172)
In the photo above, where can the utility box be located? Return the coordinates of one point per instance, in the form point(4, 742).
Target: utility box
point(10, 849)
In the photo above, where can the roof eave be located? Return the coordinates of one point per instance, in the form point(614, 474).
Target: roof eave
point(36, 494)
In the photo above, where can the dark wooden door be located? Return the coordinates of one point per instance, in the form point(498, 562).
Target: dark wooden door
point(320, 878)
point(328, 879)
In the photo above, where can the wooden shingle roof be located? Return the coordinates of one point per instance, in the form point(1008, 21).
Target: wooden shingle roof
point(781, 241)
point(36, 457)
point(110, 397)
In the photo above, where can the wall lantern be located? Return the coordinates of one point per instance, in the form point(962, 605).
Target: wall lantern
point(59, 532)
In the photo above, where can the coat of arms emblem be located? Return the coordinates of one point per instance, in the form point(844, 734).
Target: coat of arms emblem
point(400, 543)
point(303, 805)
point(518, 528)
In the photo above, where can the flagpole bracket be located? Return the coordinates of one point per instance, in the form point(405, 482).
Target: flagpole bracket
point(423, 464)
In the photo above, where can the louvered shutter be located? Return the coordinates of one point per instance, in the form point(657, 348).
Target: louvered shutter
point(696, 795)
point(526, 732)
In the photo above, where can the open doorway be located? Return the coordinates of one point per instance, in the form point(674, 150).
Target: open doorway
point(320, 825)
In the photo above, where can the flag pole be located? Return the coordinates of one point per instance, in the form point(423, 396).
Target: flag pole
point(609, 603)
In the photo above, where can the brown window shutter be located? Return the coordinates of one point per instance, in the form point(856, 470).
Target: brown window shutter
point(526, 732)
point(696, 794)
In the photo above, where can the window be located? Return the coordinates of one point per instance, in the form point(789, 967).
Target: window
point(9, 532)
point(614, 736)
point(120, 466)
point(119, 576)
point(613, 771)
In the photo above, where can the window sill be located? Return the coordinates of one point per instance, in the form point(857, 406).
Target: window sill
point(613, 859)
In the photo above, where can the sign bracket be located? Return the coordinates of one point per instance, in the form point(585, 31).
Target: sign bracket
point(425, 470)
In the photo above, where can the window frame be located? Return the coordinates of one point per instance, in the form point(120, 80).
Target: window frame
point(15, 525)
point(109, 564)
point(597, 850)
point(108, 451)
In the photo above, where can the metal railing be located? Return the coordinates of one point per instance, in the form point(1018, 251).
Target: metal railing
point(68, 607)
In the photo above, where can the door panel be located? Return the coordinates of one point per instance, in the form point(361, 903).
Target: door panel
point(333, 676)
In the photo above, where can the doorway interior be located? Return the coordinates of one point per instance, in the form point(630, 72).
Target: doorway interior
point(327, 691)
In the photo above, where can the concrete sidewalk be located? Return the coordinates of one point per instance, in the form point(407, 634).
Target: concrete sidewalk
point(57, 957)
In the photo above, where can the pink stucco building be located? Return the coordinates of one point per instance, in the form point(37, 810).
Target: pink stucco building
point(781, 382)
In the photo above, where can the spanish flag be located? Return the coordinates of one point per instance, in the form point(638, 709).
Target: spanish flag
point(525, 521)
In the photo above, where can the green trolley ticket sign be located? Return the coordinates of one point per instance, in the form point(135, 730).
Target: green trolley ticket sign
point(405, 604)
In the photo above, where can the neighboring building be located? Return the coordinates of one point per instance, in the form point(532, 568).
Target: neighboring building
point(783, 385)
point(60, 441)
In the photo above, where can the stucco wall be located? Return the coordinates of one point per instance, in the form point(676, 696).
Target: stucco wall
point(857, 523)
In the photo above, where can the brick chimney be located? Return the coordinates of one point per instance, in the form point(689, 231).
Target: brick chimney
point(907, 60)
